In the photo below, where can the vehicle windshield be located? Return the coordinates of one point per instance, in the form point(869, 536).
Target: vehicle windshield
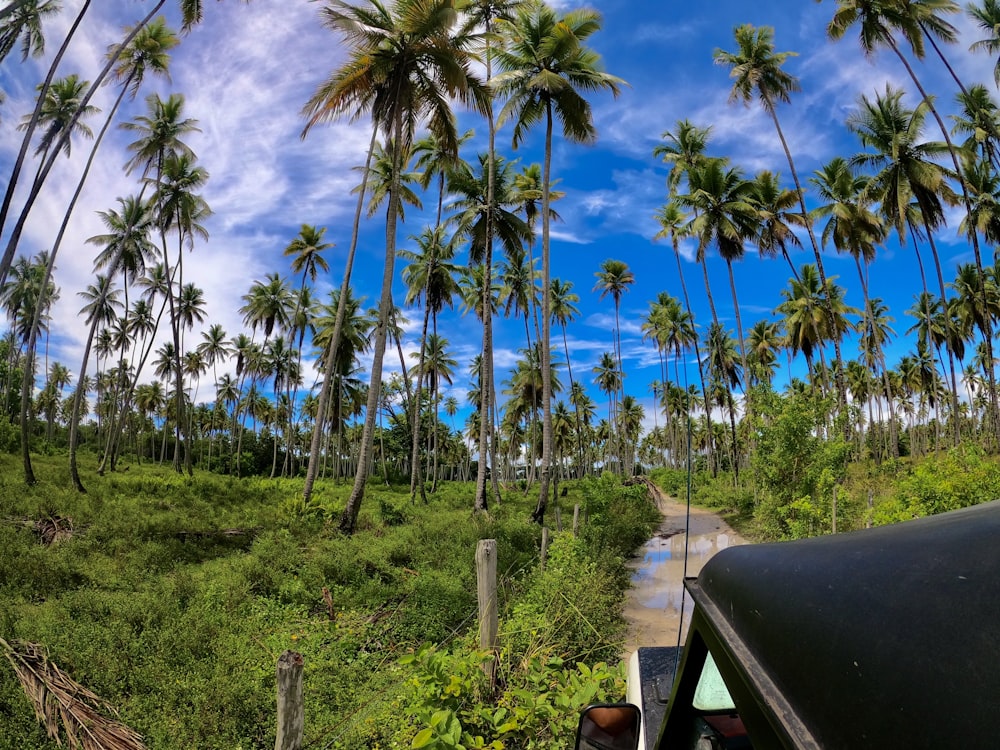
point(712, 695)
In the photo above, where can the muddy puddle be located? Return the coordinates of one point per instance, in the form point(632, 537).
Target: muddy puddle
point(653, 609)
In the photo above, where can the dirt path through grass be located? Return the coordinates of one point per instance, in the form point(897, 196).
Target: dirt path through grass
point(653, 609)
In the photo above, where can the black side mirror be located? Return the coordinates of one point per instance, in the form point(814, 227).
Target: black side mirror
point(608, 727)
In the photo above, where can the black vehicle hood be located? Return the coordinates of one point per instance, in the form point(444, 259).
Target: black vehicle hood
point(888, 637)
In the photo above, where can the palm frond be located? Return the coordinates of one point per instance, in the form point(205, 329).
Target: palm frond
point(62, 703)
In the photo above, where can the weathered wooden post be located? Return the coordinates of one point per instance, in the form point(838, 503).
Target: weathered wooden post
point(834, 509)
point(291, 708)
point(576, 520)
point(871, 505)
point(486, 579)
point(558, 519)
point(545, 547)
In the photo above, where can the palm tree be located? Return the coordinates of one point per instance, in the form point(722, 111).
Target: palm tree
point(725, 216)
point(979, 120)
point(756, 71)
point(615, 278)
point(906, 173)
point(684, 151)
point(726, 375)
point(878, 23)
point(101, 308)
point(545, 66)
point(191, 11)
point(25, 24)
point(438, 366)
point(987, 17)
point(406, 64)
point(486, 201)
point(675, 225)
point(564, 311)
point(774, 204)
point(766, 341)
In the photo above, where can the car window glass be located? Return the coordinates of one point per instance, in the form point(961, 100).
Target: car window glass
point(711, 693)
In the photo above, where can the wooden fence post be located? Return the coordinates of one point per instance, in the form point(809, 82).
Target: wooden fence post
point(486, 580)
point(558, 519)
point(291, 708)
point(545, 547)
point(871, 504)
point(834, 509)
point(576, 520)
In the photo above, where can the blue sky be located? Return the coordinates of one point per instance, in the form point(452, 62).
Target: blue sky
point(248, 69)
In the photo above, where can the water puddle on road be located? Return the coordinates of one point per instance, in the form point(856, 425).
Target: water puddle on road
point(653, 609)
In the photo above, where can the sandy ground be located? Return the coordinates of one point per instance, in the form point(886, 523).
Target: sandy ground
point(653, 610)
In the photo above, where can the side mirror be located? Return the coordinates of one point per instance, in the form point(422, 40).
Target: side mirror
point(609, 727)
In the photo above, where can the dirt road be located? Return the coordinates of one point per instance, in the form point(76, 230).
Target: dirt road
point(653, 610)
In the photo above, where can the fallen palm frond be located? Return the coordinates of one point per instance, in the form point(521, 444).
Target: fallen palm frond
point(58, 699)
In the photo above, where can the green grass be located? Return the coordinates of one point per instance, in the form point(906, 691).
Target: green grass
point(180, 627)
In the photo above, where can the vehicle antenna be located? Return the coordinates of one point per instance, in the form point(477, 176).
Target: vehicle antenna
point(687, 536)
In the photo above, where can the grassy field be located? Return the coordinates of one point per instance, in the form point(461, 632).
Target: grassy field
point(172, 598)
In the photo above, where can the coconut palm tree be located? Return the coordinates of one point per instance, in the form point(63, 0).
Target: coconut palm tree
point(615, 278)
point(191, 12)
point(407, 64)
point(726, 217)
point(684, 150)
point(101, 308)
point(430, 281)
point(879, 24)
point(987, 17)
point(24, 24)
point(546, 65)
point(674, 225)
point(906, 172)
point(756, 70)
point(486, 202)
point(775, 216)
point(438, 365)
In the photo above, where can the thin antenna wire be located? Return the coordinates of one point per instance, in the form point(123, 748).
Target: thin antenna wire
point(687, 533)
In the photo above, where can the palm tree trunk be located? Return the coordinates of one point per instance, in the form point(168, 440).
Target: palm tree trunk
point(415, 478)
point(338, 328)
point(57, 147)
point(348, 519)
point(839, 370)
point(480, 503)
point(538, 516)
point(36, 113)
point(974, 236)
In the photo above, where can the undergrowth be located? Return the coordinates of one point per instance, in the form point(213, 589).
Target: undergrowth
point(172, 598)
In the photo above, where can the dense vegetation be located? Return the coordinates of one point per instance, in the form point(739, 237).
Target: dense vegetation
point(144, 601)
point(145, 598)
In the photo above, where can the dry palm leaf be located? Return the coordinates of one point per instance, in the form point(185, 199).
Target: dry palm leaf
point(58, 699)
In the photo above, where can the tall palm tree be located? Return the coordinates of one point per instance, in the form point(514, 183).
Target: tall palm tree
point(546, 65)
point(906, 172)
point(487, 201)
point(879, 23)
point(987, 17)
point(406, 63)
point(430, 280)
point(25, 24)
point(674, 225)
point(101, 308)
point(775, 216)
point(438, 365)
point(191, 12)
point(756, 70)
point(684, 150)
point(485, 14)
point(564, 311)
point(615, 278)
point(726, 217)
